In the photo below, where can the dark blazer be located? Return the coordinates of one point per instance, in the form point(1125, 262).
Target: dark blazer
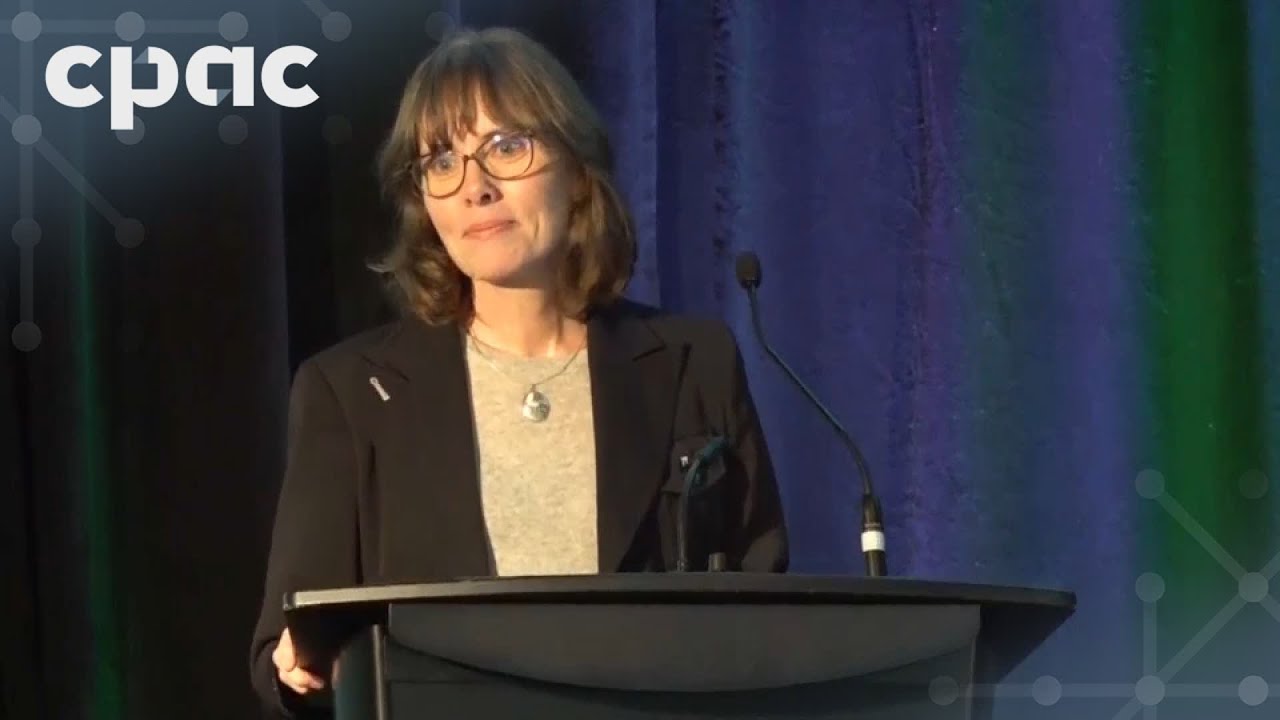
point(387, 491)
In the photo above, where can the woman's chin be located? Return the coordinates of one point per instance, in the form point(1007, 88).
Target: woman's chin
point(518, 278)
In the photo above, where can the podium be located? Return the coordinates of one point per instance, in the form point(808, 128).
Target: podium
point(677, 645)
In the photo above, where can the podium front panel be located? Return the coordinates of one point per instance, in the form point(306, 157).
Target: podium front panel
point(432, 688)
point(567, 661)
point(681, 648)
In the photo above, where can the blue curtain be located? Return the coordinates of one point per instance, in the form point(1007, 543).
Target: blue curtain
point(1023, 250)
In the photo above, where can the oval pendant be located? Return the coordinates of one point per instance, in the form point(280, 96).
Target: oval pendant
point(536, 406)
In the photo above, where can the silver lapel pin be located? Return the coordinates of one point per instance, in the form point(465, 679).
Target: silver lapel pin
point(378, 387)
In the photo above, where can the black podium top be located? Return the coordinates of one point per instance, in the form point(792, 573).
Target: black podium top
point(1013, 621)
point(680, 588)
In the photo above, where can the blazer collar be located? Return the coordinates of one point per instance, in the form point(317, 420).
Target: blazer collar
point(633, 380)
point(414, 349)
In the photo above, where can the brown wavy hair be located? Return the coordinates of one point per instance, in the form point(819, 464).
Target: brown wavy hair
point(521, 85)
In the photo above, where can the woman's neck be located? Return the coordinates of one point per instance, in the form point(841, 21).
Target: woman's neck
point(524, 322)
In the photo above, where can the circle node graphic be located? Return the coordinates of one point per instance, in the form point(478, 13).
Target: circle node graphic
point(26, 336)
point(233, 130)
point(26, 233)
point(1253, 484)
point(1149, 690)
point(1150, 484)
point(1253, 690)
point(27, 130)
point(1150, 587)
point(134, 136)
point(130, 26)
point(130, 232)
point(233, 26)
point(1046, 690)
point(336, 26)
point(944, 690)
point(26, 26)
point(1253, 587)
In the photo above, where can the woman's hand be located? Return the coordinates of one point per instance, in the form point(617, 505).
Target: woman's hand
point(295, 677)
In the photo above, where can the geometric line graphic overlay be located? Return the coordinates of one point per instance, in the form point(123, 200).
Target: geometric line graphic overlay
point(26, 27)
point(1155, 686)
point(334, 25)
point(21, 123)
point(130, 27)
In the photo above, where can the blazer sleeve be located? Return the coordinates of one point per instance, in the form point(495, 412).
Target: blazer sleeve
point(314, 537)
point(758, 533)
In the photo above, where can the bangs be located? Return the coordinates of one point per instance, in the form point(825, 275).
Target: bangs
point(459, 83)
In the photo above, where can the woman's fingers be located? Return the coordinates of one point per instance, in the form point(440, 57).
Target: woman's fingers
point(286, 662)
point(301, 681)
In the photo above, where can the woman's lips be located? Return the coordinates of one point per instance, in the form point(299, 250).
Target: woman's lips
point(487, 228)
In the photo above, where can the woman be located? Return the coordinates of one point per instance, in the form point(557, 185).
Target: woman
point(521, 418)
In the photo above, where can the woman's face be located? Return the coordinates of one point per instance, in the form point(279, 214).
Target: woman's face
point(504, 232)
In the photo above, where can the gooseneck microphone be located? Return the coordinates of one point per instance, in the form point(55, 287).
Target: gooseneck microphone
point(873, 544)
point(694, 477)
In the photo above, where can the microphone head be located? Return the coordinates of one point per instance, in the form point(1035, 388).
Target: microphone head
point(748, 270)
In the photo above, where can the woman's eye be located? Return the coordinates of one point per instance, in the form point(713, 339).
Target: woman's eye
point(512, 146)
point(441, 163)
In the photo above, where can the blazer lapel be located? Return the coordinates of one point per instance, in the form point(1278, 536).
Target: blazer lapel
point(426, 458)
point(633, 401)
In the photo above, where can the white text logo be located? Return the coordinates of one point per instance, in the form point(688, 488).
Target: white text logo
point(125, 97)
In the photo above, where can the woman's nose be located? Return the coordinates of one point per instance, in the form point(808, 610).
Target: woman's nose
point(477, 186)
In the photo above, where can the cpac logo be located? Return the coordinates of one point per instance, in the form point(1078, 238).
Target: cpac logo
point(125, 97)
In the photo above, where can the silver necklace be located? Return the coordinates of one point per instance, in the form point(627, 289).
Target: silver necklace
point(536, 406)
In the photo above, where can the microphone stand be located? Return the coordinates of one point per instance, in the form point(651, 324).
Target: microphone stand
point(873, 540)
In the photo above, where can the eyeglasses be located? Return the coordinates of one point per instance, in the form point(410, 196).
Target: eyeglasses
point(504, 156)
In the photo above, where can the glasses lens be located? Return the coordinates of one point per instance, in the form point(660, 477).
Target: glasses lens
point(508, 157)
point(443, 173)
